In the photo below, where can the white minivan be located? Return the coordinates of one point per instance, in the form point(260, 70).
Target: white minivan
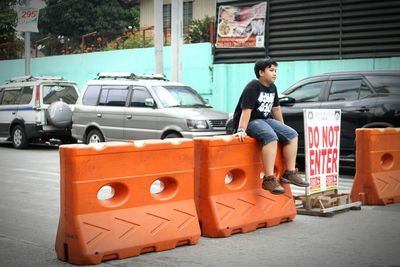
point(37, 109)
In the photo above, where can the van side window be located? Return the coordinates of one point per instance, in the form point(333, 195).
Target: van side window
point(344, 90)
point(91, 95)
point(10, 96)
point(139, 96)
point(26, 95)
point(113, 96)
point(364, 91)
point(308, 93)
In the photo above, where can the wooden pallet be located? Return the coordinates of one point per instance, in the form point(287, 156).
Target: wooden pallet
point(325, 204)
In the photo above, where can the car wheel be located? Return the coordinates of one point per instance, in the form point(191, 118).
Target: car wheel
point(173, 135)
point(94, 136)
point(19, 139)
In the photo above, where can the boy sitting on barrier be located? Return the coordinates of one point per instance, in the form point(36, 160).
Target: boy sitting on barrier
point(259, 115)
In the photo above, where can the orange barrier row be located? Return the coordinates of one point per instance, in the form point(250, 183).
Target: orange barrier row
point(377, 179)
point(132, 220)
point(229, 197)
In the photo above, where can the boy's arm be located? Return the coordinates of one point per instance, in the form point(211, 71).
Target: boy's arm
point(277, 114)
point(243, 122)
point(244, 118)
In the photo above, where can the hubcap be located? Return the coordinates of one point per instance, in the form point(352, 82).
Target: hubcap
point(94, 139)
point(17, 137)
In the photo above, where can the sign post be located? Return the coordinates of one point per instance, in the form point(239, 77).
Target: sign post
point(27, 22)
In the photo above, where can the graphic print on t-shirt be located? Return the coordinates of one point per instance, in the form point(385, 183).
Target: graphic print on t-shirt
point(266, 101)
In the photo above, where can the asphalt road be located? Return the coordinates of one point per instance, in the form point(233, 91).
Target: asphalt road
point(29, 212)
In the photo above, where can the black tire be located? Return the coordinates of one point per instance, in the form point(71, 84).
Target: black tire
point(69, 140)
point(19, 138)
point(173, 135)
point(94, 136)
point(229, 127)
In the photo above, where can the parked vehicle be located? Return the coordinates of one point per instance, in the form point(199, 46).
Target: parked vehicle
point(125, 106)
point(367, 99)
point(37, 109)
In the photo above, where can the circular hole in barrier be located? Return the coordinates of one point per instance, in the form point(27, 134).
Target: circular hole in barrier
point(164, 188)
point(157, 187)
point(111, 195)
point(387, 161)
point(105, 193)
point(235, 179)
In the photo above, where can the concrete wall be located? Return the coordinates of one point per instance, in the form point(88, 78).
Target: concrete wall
point(220, 84)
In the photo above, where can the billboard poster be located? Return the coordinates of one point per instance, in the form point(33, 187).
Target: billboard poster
point(241, 26)
point(322, 143)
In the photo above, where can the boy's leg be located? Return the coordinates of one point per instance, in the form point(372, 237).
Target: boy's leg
point(263, 133)
point(289, 152)
point(288, 137)
point(268, 153)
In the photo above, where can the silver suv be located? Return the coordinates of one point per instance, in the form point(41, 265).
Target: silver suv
point(37, 109)
point(125, 106)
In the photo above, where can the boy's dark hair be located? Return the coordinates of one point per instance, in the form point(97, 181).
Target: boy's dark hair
point(261, 64)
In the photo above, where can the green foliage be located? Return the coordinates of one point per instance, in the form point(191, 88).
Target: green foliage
point(199, 30)
point(76, 17)
point(130, 40)
point(8, 20)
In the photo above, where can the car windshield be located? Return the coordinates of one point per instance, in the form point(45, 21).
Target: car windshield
point(385, 84)
point(179, 96)
point(53, 93)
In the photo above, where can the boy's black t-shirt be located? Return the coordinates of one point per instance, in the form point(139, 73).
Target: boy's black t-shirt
point(259, 98)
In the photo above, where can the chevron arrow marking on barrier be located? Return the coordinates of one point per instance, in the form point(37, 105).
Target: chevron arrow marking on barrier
point(189, 218)
point(96, 231)
point(382, 184)
point(388, 182)
point(159, 227)
point(269, 203)
point(288, 202)
point(396, 184)
point(132, 227)
point(249, 207)
point(228, 210)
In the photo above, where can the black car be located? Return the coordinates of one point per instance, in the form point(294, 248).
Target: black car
point(367, 99)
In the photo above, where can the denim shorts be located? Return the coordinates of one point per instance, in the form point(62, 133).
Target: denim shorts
point(268, 130)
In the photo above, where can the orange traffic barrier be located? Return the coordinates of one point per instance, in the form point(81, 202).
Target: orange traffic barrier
point(107, 210)
point(377, 179)
point(229, 197)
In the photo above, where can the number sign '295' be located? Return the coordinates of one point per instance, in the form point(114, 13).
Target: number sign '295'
point(30, 13)
point(28, 20)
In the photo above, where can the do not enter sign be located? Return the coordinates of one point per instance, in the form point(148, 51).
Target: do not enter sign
point(322, 143)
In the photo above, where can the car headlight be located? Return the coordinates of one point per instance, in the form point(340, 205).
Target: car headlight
point(197, 124)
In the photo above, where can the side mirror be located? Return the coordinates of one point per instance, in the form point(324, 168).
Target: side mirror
point(149, 102)
point(286, 101)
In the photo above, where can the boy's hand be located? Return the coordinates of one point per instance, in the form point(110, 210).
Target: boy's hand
point(241, 133)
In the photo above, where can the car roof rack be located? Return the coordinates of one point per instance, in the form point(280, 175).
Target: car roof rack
point(29, 78)
point(129, 76)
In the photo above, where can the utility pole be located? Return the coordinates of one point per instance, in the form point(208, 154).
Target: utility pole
point(27, 46)
point(177, 39)
point(158, 35)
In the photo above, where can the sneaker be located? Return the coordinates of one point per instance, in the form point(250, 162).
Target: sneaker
point(292, 177)
point(271, 184)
